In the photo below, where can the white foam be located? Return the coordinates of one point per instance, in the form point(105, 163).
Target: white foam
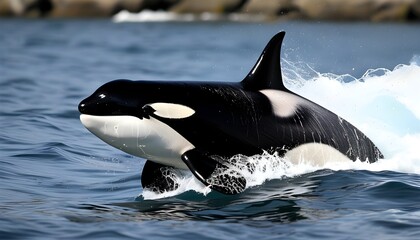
point(384, 104)
point(163, 16)
point(152, 16)
point(186, 181)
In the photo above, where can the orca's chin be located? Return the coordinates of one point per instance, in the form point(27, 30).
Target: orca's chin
point(109, 128)
point(86, 120)
point(145, 138)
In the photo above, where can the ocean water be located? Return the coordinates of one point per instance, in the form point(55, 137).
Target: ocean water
point(58, 181)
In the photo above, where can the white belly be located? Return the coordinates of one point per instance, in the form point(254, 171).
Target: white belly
point(317, 154)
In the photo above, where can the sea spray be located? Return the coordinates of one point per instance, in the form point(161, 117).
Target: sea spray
point(256, 169)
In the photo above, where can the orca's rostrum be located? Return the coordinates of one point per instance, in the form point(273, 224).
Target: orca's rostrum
point(201, 125)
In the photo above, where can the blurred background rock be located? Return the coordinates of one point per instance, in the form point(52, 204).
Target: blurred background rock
point(341, 10)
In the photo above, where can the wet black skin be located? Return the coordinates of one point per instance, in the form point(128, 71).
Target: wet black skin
point(230, 119)
point(233, 118)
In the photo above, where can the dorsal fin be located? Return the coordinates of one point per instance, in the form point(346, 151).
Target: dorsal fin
point(266, 73)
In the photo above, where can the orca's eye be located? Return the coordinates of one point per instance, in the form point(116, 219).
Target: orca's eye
point(146, 111)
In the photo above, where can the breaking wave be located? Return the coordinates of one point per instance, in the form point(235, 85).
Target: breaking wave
point(163, 16)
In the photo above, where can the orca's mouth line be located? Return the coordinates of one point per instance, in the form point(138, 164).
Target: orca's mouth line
point(144, 113)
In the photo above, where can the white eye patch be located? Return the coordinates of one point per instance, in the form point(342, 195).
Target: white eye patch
point(172, 110)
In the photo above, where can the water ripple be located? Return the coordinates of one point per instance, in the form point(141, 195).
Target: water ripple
point(58, 181)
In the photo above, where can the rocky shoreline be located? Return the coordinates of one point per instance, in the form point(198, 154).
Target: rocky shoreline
point(327, 10)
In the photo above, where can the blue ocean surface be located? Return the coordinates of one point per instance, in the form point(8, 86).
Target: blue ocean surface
point(58, 181)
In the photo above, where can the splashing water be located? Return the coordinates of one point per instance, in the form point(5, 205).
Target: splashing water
point(382, 103)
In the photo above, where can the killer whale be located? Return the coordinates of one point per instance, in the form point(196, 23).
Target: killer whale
point(200, 125)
